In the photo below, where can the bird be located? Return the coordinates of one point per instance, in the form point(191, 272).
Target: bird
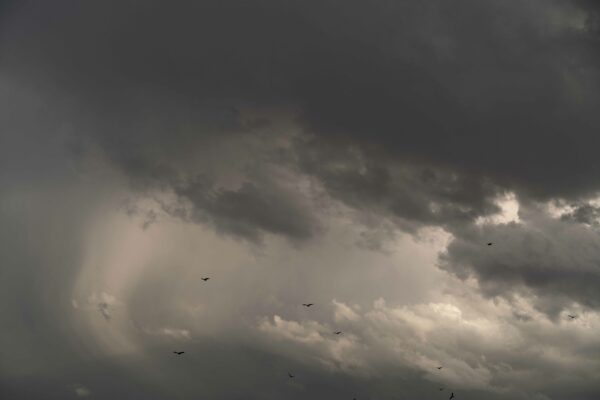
point(179, 352)
point(205, 279)
point(307, 304)
point(451, 396)
point(440, 367)
point(290, 375)
point(490, 243)
point(572, 316)
point(441, 389)
point(337, 333)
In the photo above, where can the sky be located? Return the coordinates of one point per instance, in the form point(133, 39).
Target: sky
point(356, 155)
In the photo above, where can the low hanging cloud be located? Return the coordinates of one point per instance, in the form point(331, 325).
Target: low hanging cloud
point(554, 259)
point(250, 211)
point(308, 121)
point(435, 99)
point(478, 348)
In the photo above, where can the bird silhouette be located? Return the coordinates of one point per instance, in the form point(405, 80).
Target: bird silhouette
point(179, 352)
point(572, 316)
point(490, 243)
point(440, 367)
point(337, 333)
point(451, 396)
point(290, 375)
point(307, 304)
point(205, 279)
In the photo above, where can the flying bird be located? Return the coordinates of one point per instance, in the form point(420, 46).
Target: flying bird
point(337, 333)
point(440, 367)
point(307, 304)
point(572, 316)
point(451, 396)
point(179, 352)
point(205, 279)
point(290, 375)
point(490, 243)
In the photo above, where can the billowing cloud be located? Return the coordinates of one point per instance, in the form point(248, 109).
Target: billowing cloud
point(446, 95)
point(358, 155)
point(478, 348)
point(554, 259)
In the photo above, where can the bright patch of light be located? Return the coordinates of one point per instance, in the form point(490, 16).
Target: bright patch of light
point(558, 208)
point(509, 207)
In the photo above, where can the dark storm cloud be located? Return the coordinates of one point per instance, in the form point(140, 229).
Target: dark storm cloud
point(418, 112)
point(584, 213)
point(448, 104)
point(504, 90)
point(249, 211)
point(411, 193)
point(422, 112)
point(556, 259)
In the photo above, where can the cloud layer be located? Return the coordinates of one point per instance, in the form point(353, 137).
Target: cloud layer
point(355, 155)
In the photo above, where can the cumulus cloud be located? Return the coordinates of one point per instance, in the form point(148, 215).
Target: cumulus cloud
point(554, 259)
point(482, 348)
point(343, 312)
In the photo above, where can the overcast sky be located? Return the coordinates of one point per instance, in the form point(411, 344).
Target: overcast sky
point(355, 155)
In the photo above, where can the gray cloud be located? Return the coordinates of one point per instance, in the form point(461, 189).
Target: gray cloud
point(413, 194)
point(555, 259)
point(249, 211)
point(345, 122)
point(465, 85)
point(104, 310)
point(584, 213)
point(476, 353)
